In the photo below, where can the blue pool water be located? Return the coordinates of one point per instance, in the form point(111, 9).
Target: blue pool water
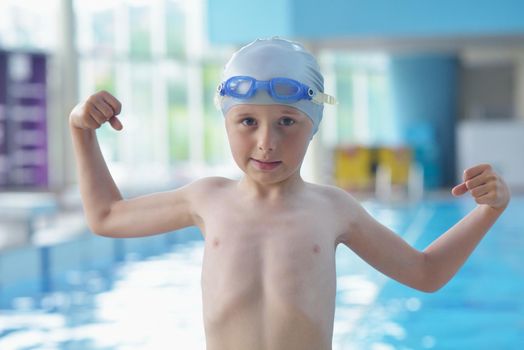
point(97, 293)
point(481, 308)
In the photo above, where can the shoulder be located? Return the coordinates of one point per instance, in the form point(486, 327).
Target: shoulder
point(204, 192)
point(208, 185)
point(208, 188)
point(335, 196)
point(212, 182)
point(344, 209)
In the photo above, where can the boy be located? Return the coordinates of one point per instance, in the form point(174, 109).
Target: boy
point(268, 275)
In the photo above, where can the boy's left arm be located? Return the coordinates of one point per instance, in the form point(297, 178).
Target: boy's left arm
point(449, 252)
point(437, 264)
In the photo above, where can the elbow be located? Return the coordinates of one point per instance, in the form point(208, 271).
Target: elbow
point(430, 278)
point(430, 287)
point(98, 226)
point(105, 233)
point(102, 229)
point(98, 230)
point(426, 285)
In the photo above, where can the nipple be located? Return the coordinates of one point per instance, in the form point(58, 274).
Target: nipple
point(216, 242)
point(316, 248)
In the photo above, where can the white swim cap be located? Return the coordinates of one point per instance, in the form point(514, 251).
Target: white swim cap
point(265, 59)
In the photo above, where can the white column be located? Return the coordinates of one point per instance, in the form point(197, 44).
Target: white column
point(159, 95)
point(63, 97)
point(194, 35)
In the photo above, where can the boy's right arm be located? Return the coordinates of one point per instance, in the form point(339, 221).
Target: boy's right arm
point(107, 213)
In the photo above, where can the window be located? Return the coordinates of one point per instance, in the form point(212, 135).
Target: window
point(214, 133)
point(28, 24)
point(150, 55)
point(361, 89)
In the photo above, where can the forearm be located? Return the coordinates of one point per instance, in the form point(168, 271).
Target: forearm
point(97, 188)
point(448, 253)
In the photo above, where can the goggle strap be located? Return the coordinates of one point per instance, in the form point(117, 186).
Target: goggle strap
point(321, 98)
point(218, 100)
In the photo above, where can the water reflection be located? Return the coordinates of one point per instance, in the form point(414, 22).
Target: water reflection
point(152, 304)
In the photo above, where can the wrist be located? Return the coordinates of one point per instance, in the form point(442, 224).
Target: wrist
point(75, 127)
point(492, 211)
point(79, 133)
point(72, 123)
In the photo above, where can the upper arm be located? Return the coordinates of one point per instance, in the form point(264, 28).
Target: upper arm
point(381, 247)
point(153, 213)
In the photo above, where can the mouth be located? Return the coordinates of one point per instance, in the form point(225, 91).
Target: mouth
point(263, 165)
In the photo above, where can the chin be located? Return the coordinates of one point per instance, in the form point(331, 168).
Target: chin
point(269, 178)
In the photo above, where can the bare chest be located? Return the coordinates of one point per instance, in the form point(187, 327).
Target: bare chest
point(285, 256)
point(294, 239)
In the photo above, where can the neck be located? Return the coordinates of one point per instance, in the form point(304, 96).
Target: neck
point(273, 191)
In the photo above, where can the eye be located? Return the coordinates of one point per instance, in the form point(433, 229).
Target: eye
point(287, 121)
point(248, 121)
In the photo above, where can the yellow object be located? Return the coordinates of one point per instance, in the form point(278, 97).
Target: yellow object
point(353, 168)
point(398, 161)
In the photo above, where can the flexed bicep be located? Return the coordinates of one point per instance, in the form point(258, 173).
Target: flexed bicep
point(148, 215)
point(158, 212)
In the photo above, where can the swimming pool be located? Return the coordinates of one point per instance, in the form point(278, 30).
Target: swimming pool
point(481, 308)
point(97, 293)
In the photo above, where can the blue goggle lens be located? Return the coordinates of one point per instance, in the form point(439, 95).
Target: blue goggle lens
point(286, 89)
point(240, 87)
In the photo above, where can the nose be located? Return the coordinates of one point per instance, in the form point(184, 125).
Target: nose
point(267, 139)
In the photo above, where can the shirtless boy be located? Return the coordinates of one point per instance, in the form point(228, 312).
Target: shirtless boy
point(268, 276)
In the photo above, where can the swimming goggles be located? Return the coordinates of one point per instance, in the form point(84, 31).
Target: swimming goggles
point(283, 90)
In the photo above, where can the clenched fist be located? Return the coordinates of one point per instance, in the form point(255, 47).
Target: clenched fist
point(95, 111)
point(485, 186)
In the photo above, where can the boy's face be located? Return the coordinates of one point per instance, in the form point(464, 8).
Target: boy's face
point(268, 142)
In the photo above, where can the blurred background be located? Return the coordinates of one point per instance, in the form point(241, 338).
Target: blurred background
point(425, 90)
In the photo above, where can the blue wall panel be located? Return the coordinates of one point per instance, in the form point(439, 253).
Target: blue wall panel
point(424, 89)
point(411, 18)
point(237, 22)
